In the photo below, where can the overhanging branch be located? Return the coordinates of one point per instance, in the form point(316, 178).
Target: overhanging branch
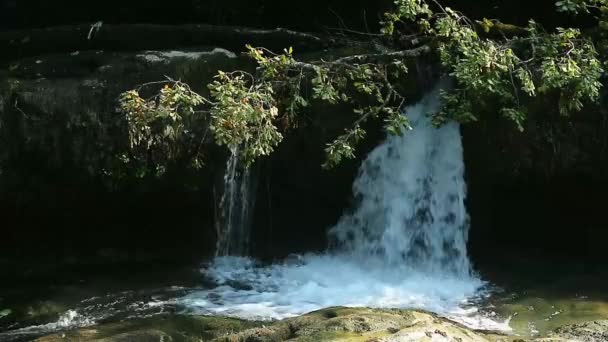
point(371, 58)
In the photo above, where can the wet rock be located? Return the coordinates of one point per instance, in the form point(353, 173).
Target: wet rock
point(5, 312)
point(140, 336)
point(108, 37)
point(156, 329)
point(167, 56)
point(151, 335)
point(332, 324)
point(348, 324)
point(60, 110)
point(594, 331)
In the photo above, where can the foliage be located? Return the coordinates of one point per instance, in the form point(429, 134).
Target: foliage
point(366, 87)
point(495, 67)
point(245, 111)
point(509, 71)
point(405, 10)
point(162, 128)
point(243, 114)
point(579, 6)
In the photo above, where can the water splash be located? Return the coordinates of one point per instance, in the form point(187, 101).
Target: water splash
point(234, 209)
point(403, 245)
point(68, 320)
point(106, 307)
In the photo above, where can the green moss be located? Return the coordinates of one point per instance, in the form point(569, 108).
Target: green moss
point(210, 327)
point(345, 336)
point(178, 328)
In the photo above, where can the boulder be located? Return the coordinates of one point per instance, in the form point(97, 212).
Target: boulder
point(594, 331)
point(331, 324)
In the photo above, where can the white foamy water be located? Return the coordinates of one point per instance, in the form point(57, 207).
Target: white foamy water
point(410, 195)
point(106, 307)
point(69, 320)
point(402, 246)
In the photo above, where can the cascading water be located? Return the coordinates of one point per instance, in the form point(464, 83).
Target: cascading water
point(410, 193)
point(233, 211)
point(403, 246)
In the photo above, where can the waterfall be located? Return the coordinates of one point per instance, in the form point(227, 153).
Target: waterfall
point(233, 218)
point(403, 245)
point(410, 195)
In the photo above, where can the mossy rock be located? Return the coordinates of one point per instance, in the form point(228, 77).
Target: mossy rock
point(177, 328)
point(359, 324)
point(332, 324)
point(594, 331)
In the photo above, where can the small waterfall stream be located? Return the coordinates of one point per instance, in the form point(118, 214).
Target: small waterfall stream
point(403, 245)
point(233, 212)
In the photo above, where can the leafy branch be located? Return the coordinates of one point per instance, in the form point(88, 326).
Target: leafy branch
point(250, 113)
point(507, 72)
point(495, 67)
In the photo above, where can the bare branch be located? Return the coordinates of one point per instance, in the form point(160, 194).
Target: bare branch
point(371, 58)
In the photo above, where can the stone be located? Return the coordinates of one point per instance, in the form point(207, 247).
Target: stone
point(594, 331)
point(331, 324)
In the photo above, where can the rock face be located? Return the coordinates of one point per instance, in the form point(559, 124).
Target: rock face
point(553, 176)
point(344, 324)
point(136, 37)
point(259, 13)
point(61, 130)
point(60, 133)
point(332, 324)
point(63, 134)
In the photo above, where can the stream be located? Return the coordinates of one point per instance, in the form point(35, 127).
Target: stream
point(525, 299)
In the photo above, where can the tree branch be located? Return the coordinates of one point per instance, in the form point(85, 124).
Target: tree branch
point(371, 58)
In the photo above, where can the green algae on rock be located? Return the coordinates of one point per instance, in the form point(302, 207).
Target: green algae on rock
point(332, 324)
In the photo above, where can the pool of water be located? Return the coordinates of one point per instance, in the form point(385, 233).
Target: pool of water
point(532, 298)
point(540, 296)
point(40, 300)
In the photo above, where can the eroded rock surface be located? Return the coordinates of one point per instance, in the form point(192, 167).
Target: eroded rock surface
point(594, 331)
point(332, 324)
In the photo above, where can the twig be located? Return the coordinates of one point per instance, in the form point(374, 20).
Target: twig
point(366, 58)
point(339, 18)
point(365, 21)
point(355, 32)
point(440, 6)
point(369, 58)
point(514, 87)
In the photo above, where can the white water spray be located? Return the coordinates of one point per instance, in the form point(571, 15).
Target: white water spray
point(403, 246)
point(233, 219)
point(410, 192)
